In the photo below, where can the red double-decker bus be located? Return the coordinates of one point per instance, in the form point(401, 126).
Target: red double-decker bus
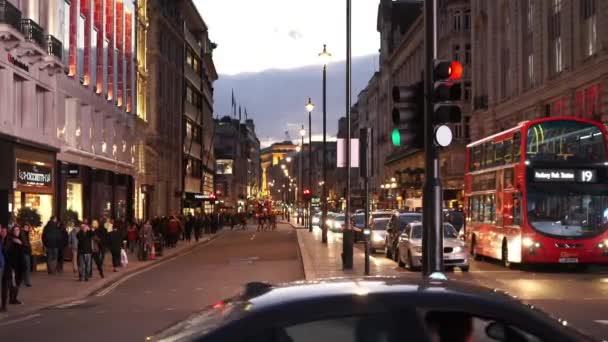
point(538, 193)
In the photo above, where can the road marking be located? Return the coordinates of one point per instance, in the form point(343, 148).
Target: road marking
point(71, 304)
point(602, 321)
point(22, 319)
point(111, 288)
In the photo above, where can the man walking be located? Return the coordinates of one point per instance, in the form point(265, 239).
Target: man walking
point(51, 239)
point(84, 242)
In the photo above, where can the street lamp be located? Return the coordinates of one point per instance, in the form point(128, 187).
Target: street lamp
point(325, 56)
point(283, 166)
point(309, 107)
point(288, 159)
point(298, 148)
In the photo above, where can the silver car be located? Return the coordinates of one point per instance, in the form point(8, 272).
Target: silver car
point(378, 236)
point(410, 248)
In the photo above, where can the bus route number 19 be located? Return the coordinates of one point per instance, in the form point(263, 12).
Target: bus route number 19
point(587, 176)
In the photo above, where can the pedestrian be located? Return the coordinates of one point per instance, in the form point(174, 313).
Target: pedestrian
point(3, 234)
point(174, 228)
point(73, 245)
point(198, 226)
point(51, 239)
point(63, 244)
point(98, 246)
point(189, 227)
point(115, 246)
point(85, 244)
point(132, 237)
point(14, 264)
point(27, 256)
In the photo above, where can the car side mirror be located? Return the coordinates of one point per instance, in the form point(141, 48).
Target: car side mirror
point(497, 331)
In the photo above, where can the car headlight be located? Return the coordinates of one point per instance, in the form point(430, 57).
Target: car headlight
point(417, 249)
point(457, 249)
point(328, 222)
point(377, 238)
point(315, 220)
point(337, 225)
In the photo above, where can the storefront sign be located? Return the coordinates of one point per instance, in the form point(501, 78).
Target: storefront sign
point(34, 175)
point(199, 196)
point(18, 63)
point(73, 171)
point(582, 176)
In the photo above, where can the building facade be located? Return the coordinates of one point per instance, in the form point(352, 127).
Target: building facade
point(164, 108)
point(398, 172)
point(68, 107)
point(199, 75)
point(536, 59)
point(235, 147)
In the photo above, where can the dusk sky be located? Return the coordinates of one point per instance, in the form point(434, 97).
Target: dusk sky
point(257, 35)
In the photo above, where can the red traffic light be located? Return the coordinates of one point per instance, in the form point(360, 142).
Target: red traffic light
point(455, 71)
point(306, 192)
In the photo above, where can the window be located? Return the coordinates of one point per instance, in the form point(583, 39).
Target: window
point(474, 208)
point(489, 151)
point(467, 20)
point(555, 36)
point(457, 21)
point(489, 208)
point(467, 54)
point(565, 141)
point(467, 91)
point(499, 153)
point(456, 52)
point(588, 12)
point(516, 209)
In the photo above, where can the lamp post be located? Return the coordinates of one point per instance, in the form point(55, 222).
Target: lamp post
point(309, 107)
point(325, 56)
point(301, 218)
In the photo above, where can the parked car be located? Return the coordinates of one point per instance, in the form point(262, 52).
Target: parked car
point(316, 219)
point(338, 223)
point(378, 233)
point(371, 309)
point(394, 228)
point(409, 252)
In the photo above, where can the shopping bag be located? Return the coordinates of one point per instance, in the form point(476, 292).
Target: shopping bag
point(124, 261)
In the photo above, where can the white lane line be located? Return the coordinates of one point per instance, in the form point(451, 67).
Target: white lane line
point(19, 320)
point(111, 288)
point(601, 321)
point(71, 304)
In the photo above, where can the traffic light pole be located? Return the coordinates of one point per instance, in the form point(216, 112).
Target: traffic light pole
point(347, 241)
point(308, 204)
point(432, 238)
point(324, 187)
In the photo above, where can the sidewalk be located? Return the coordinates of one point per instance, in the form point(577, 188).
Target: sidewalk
point(325, 260)
point(52, 290)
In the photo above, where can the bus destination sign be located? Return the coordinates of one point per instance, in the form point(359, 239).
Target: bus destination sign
point(580, 176)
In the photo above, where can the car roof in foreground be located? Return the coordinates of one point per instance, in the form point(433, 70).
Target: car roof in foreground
point(337, 294)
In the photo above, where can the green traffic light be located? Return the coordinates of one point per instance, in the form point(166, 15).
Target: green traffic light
point(396, 137)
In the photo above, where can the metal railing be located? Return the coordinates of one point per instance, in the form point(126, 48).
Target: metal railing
point(9, 14)
point(33, 32)
point(54, 46)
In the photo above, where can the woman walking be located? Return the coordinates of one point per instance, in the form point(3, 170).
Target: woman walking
point(13, 270)
point(98, 246)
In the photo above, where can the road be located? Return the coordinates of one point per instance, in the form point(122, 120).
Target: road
point(581, 298)
point(146, 302)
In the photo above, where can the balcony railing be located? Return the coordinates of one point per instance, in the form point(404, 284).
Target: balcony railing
point(54, 47)
point(9, 14)
point(32, 32)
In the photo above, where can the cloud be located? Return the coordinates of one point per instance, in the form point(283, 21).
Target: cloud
point(295, 34)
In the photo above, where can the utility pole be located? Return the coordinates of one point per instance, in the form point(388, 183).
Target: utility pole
point(432, 238)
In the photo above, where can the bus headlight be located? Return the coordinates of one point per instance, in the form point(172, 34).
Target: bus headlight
point(603, 244)
point(527, 242)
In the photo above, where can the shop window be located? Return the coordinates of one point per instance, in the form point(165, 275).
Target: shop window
point(74, 198)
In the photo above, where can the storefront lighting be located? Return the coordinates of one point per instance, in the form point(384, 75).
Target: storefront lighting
point(104, 147)
point(77, 133)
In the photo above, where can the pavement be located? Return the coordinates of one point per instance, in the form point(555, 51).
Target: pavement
point(51, 290)
point(579, 297)
point(149, 300)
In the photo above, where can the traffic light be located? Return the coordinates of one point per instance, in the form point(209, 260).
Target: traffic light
point(447, 91)
point(408, 116)
point(306, 195)
point(212, 198)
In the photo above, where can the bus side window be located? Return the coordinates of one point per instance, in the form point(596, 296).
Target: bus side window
point(474, 209)
point(508, 148)
point(516, 146)
point(499, 208)
point(516, 209)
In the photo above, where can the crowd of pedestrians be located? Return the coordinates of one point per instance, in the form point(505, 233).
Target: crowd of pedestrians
point(87, 245)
